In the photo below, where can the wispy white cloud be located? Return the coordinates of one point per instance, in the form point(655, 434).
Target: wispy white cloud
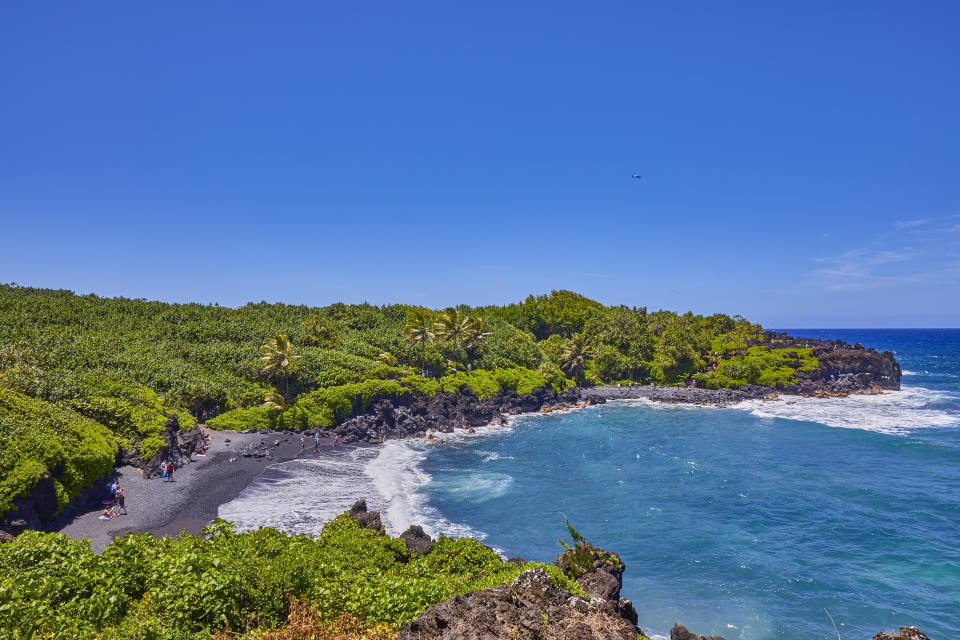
point(919, 222)
point(887, 261)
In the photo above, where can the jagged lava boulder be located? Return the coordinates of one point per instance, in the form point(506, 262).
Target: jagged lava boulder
point(680, 632)
point(906, 633)
point(367, 519)
point(419, 543)
point(532, 607)
point(852, 370)
point(178, 446)
point(602, 577)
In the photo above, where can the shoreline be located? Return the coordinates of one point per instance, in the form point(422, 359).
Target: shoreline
point(193, 499)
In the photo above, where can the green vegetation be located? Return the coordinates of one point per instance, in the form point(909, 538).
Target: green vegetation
point(103, 373)
point(144, 588)
point(759, 365)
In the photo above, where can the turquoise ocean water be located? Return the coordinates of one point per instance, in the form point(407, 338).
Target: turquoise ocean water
point(744, 522)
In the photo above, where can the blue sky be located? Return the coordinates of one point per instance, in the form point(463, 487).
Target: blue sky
point(800, 161)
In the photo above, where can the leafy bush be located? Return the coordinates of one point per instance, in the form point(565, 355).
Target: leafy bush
point(39, 439)
point(140, 587)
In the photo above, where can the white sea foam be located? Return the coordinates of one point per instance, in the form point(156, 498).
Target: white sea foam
point(894, 412)
point(301, 495)
point(399, 480)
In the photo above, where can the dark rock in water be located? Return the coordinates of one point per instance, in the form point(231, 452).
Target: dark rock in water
point(531, 607)
point(419, 543)
point(850, 370)
point(906, 633)
point(603, 575)
point(680, 632)
point(367, 519)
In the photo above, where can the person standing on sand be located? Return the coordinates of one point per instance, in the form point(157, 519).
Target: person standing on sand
point(336, 440)
point(121, 501)
point(169, 472)
point(316, 441)
point(303, 443)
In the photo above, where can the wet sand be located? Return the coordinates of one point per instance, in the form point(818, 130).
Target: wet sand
point(192, 499)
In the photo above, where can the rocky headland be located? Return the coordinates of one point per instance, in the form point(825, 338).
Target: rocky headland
point(533, 607)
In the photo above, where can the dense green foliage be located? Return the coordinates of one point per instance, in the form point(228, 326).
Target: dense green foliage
point(129, 365)
point(759, 365)
point(144, 588)
point(36, 437)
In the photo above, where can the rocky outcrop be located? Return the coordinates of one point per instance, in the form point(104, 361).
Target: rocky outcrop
point(531, 607)
point(178, 447)
point(906, 633)
point(851, 370)
point(34, 510)
point(415, 415)
point(680, 632)
point(367, 519)
point(599, 572)
point(419, 543)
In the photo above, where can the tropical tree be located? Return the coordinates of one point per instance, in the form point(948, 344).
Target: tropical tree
point(419, 330)
point(274, 401)
point(321, 331)
point(387, 358)
point(575, 356)
point(457, 328)
point(277, 356)
point(478, 332)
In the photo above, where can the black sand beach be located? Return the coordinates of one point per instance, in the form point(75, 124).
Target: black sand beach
point(198, 489)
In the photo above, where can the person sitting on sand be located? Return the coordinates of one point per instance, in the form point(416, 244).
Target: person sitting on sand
point(106, 515)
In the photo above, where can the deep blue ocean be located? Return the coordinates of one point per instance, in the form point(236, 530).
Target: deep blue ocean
point(744, 522)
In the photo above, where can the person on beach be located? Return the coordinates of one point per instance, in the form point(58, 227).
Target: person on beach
point(336, 440)
point(303, 443)
point(106, 515)
point(163, 469)
point(169, 472)
point(121, 501)
point(316, 441)
point(113, 492)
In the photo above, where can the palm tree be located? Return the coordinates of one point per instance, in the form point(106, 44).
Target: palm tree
point(455, 327)
point(274, 401)
point(575, 356)
point(477, 332)
point(419, 330)
point(278, 356)
point(387, 358)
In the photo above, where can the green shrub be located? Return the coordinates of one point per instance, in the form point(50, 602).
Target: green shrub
point(258, 418)
point(37, 438)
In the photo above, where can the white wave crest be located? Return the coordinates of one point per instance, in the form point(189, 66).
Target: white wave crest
point(299, 496)
point(893, 412)
point(399, 480)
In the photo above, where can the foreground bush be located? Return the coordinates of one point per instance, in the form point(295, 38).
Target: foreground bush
point(144, 588)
